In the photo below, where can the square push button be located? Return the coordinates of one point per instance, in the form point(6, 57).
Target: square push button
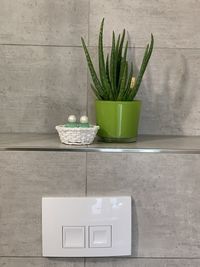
point(73, 237)
point(100, 236)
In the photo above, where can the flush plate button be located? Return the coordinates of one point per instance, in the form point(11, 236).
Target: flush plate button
point(73, 237)
point(100, 236)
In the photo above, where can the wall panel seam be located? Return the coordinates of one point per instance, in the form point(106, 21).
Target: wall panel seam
point(95, 46)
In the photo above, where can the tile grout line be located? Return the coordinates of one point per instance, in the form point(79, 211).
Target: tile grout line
point(86, 159)
point(112, 258)
point(87, 95)
point(84, 259)
point(40, 45)
point(88, 22)
point(95, 46)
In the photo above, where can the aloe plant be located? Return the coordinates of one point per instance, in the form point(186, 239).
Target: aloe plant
point(116, 81)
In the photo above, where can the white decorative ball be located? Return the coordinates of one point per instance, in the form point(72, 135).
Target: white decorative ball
point(72, 118)
point(83, 119)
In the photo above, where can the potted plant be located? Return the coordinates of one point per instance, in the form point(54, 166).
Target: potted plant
point(117, 111)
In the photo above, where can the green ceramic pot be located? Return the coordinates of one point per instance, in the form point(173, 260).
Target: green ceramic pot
point(118, 120)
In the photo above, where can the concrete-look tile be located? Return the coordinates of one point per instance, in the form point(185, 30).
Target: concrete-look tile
point(165, 190)
point(123, 262)
point(40, 262)
point(170, 92)
point(40, 86)
point(43, 22)
point(25, 178)
point(175, 23)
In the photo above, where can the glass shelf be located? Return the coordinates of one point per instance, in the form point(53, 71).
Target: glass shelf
point(145, 144)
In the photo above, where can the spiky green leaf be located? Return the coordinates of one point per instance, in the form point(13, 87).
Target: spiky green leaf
point(122, 67)
point(113, 66)
point(119, 59)
point(144, 64)
point(96, 92)
point(95, 79)
point(127, 92)
point(122, 88)
point(102, 67)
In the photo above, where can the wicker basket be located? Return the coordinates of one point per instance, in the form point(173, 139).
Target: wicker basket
point(77, 136)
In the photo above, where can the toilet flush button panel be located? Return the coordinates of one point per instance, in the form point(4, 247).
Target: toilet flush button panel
point(86, 226)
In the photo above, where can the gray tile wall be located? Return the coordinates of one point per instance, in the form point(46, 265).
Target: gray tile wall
point(39, 262)
point(43, 72)
point(43, 78)
point(38, 88)
point(24, 178)
point(165, 189)
point(143, 263)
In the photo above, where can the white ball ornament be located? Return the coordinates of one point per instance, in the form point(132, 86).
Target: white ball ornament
point(83, 119)
point(72, 118)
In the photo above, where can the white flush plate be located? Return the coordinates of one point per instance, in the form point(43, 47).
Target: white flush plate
point(86, 226)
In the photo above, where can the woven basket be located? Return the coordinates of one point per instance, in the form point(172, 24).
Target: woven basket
point(77, 136)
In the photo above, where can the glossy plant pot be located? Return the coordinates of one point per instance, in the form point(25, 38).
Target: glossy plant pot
point(118, 120)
